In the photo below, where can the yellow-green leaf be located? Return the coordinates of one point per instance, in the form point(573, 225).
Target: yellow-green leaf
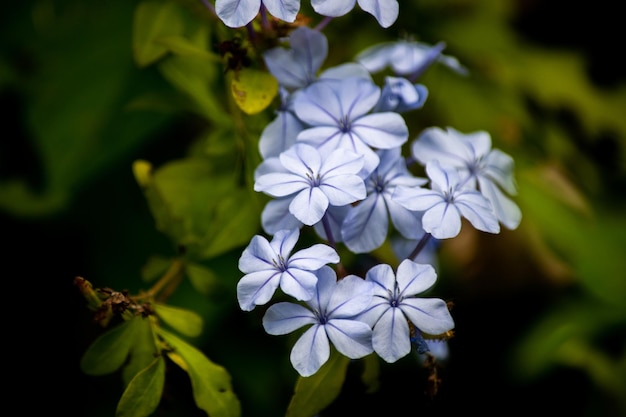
point(155, 267)
point(253, 90)
point(202, 278)
point(142, 351)
point(185, 321)
point(143, 393)
point(110, 350)
point(316, 392)
point(210, 383)
point(142, 170)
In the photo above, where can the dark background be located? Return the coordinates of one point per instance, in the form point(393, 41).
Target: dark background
point(47, 326)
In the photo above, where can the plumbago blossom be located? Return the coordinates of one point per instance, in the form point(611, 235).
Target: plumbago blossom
point(479, 166)
point(395, 308)
point(312, 183)
point(237, 13)
point(446, 202)
point(333, 162)
point(338, 112)
point(270, 264)
point(333, 313)
point(366, 225)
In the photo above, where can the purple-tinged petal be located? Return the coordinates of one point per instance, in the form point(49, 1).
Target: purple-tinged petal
point(390, 337)
point(237, 13)
point(284, 241)
point(257, 288)
point(298, 283)
point(414, 278)
point(276, 216)
point(430, 315)
point(311, 351)
point(365, 228)
point(302, 159)
point(280, 185)
point(381, 130)
point(314, 257)
point(351, 297)
point(416, 198)
point(282, 318)
point(309, 205)
point(279, 134)
point(443, 221)
point(333, 8)
point(352, 338)
point(285, 10)
point(385, 11)
point(257, 255)
point(477, 209)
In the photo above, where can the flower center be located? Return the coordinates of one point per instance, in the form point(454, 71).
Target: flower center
point(280, 264)
point(345, 124)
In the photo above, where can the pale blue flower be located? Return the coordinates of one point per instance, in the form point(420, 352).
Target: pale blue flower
point(280, 133)
point(486, 169)
point(400, 95)
point(385, 11)
point(366, 226)
point(332, 315)
point(238, 13)
point(407, 57)
point(446, 202)
point(337, 111)
point(297, 66)
point(313, 180)
point(276, 216)
point(270, 264)
point(395, 305)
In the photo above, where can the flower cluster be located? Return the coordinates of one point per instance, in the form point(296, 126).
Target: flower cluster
point(333, 161)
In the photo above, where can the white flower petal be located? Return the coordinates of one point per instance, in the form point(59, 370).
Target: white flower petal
point(309, 205)
point(283, 318)
point(443, 221)
point(430, 315)
point(257, 288)
point(352, 338)
point(390, 337)
point(237, 13)
point(311, 351)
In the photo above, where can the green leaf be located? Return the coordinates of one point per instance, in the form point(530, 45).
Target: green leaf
point(184, 321)
point(371, 373)
point(195, 77)
point(253, 90)
point(210, 383)
point(153, 20)
point(143, 393)
point(316, 392)
point(155, 267)
point(565, 335)
point(110, 350)
point(143, 350)
point(201, 210)
point(202, 278)
point(236, 219)
point(180, 45)
point(74, 111)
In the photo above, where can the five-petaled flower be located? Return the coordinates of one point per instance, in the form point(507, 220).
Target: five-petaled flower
point(269, 264)
point(311, 181)
point(395, 305)
point(337, 111)
point(488, 170)
point(446, 203)
point(332, 313)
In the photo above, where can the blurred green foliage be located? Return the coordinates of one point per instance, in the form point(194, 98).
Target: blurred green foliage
point(120, 126)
